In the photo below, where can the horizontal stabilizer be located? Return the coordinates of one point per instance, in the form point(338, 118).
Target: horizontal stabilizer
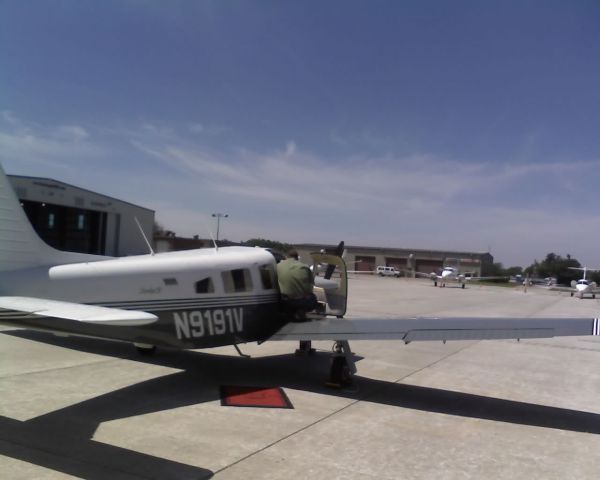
point(14, 308)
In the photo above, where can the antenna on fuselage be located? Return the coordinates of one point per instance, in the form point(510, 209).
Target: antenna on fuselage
point(212, 237)
point(144, 235)
point(214, 242)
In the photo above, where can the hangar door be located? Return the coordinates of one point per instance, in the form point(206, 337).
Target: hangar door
point(364, 264)
point(428, 266)
point(67, 228)
point(399, 263)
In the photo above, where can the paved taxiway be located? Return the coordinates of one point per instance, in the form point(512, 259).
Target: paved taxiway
point(93, 409)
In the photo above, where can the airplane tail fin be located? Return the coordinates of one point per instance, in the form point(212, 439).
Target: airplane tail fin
point(20, 245)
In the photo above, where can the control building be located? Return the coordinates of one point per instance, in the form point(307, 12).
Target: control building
point(78, 220)
point(367, 259)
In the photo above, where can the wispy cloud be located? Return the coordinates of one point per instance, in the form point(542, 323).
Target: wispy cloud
point(419, 200)
point(295, 177)
point(292, 194)
point(59, 145)
point(9, 118)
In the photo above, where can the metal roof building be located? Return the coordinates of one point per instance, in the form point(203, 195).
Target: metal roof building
point(426, 261)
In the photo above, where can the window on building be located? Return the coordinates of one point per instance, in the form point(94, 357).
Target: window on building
point(205, 286)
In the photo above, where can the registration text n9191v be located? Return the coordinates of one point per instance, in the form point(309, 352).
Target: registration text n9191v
point(208, 322)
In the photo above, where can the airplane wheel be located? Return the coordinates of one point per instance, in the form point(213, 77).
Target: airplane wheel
point(339, 374)
point(571, 293)
point(462, 286)
point(435, 284)
point(145, 351)
point(593, 295)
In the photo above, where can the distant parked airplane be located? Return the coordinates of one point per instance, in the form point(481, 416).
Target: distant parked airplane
point(582, 286)
point(453, 274)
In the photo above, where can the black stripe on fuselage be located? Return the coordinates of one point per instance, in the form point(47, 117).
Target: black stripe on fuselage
point(6, 313)
point(186, 303)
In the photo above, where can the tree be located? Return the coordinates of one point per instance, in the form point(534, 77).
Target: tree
point(158, 229)
point(513, 271)
point(555, 266)
point(493, 270)
point(264, 243)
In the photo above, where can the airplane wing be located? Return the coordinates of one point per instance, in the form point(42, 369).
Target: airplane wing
point(430, 276)
point(427, 328)
point(559, 288)
point(476, 279)
point(15, 309)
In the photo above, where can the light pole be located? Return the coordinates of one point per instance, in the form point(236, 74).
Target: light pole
point(219, 216)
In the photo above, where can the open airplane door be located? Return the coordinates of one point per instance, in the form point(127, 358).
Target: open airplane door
point(333, 291)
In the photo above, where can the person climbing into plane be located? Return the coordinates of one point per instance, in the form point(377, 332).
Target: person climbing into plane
point(296, 283)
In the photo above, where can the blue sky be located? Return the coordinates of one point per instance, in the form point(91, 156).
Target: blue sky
point(466, 125)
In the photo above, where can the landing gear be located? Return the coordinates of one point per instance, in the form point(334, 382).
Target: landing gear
point(305, 348)
point(571, 293)
point(434, 283)
point(342, 365)
point(462, 285)
point(145, 349)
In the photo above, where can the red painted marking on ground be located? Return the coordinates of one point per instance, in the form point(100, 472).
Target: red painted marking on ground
point(262, 397)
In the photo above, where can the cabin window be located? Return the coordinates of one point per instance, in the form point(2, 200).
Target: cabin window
point(169, 282)
point(205, 286)
point(267, 276)
point(237, 280)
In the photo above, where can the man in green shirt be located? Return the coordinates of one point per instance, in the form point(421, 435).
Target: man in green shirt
point(296, 286)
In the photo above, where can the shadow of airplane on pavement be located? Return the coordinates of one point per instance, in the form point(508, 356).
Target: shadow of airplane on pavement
point(62, 439)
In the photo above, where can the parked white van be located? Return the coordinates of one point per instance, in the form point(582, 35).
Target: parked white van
point(387, 271)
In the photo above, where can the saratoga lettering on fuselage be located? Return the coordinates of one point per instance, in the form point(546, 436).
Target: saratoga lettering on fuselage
point(201, 323)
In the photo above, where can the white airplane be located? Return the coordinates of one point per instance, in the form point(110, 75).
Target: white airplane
point(205, 298)
point(452, 274)
point(582, 286)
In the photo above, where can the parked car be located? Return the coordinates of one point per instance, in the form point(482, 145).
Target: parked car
point(387, 271)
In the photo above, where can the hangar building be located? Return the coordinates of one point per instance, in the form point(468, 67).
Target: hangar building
point(426, 261)
point(78, 220)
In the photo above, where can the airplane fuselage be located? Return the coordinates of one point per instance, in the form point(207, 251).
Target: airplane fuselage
point(202, 298)
point(583, 287)
point(448, 274)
